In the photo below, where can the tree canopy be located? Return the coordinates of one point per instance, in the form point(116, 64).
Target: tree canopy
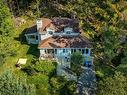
point(10, 85)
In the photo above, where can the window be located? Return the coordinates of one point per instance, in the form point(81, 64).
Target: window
point(87, 51)
point(50, 32)
point(31, 36)
point(68, 32)
point(63, 50)
point(71, 50)
point(45, 51)
point(48, 51)
point(55, 51)
point(83, 51)
point(36, 37)
point(79, 49)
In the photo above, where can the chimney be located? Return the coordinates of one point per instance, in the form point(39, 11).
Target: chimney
point(39, 23)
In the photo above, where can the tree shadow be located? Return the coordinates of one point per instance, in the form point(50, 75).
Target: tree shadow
point(21, 38)
point(66, 90)
point(33, 48)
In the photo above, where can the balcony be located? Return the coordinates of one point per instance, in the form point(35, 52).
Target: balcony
point(65, 34)
point(47, 57)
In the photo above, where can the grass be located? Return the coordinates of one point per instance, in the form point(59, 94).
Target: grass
point(21, 49)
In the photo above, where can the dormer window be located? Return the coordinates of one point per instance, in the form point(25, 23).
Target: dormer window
point(49, 31)
point(31, 36)
point(68, 30)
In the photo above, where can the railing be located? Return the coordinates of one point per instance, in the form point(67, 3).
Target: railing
point(33, 41)
point(48, 56)
point(65, 34)
point(43, 37)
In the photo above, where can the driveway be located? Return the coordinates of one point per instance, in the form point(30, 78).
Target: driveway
point(87, 82)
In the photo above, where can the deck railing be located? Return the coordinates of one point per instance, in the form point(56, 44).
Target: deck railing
point(65, 34)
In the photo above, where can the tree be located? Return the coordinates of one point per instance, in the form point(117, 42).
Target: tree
point(111, 43)
point(76, 62)
point(115, 85)
point(10, 85)
point(60, 86)
point(77, 58)
point(6, 31)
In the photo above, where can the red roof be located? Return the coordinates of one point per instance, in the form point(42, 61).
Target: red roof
point(58, 23)
point(45, 23)
point(65, 42)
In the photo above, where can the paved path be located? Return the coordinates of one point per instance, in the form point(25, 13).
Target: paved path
point(87, 82)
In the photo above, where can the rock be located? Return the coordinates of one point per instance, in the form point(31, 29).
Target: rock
point(19, 21)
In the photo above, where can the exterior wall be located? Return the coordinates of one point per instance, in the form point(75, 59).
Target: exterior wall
point(32, 40)
point(45, 36)
point(63, 52)
point(42, 52)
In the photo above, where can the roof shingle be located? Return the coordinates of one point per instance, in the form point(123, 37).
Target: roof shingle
point(65, 42)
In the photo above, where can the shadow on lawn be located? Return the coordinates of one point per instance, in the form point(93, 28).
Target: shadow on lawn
point(21, 38)
point(33, 49)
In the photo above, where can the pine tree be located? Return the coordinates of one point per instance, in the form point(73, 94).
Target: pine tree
point(10, 85)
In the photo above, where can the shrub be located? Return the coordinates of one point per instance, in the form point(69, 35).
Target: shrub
point(41, 83)
point(11, 85)
point(44, 67)
point(29, 70)
point(1, 59)
point(77, 58)
point(99, 74)
point(13, 53)
point(39, 79)
point(34, 60)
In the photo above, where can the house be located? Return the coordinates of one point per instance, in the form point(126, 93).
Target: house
point(58, 38)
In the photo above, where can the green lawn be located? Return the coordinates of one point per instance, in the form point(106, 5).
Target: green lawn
point(20, 49)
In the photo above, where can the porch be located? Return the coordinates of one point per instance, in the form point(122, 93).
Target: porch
point(32, 38)
point(46, 54)
point(52, 54)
